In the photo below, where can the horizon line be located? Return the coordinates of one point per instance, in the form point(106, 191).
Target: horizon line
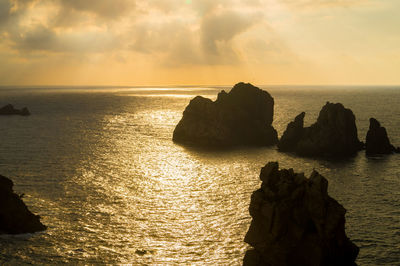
point(197, 85)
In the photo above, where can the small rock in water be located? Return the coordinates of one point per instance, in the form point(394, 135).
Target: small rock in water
point(141, 252)
point(10, 110)
point(377, 140)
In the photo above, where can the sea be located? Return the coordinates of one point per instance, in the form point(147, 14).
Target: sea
point(99, 166)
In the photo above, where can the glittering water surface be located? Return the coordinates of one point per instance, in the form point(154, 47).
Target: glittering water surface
point(100, 168)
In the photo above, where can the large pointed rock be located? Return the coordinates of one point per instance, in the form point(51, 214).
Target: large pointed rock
point(241, 117)
point(15, 218)
point(296, 222)
point(333, 135)
point(292, 134)
point(377, 140)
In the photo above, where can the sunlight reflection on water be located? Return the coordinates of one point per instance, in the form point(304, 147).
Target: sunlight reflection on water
point(114, 188)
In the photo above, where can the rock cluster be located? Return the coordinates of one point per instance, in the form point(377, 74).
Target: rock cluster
point(241, 117)
point(10, 110)
point(377, 141)
point(333, 135)
point(244, 116)
point(15, 218)
point(296, 222)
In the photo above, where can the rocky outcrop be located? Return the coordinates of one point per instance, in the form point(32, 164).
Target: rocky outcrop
point(333, 135)
point(296, 222)
point(241, 117)
point(10, 110)
point(377, 141)
point(293, 133)
point(15, 218)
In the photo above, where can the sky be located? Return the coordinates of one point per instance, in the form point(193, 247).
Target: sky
point(199, 42)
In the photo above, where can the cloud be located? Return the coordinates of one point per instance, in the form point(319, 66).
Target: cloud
point(5, 8)
point(196, 40)
point(44, 39)
point(12, 10)
point(222, 27)
point(108, 9)
point(173, 43)
point(170, 33)
point(39, 38)
point(170, 37)
point(323, 3)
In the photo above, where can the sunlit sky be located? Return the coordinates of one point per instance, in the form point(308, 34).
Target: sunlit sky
point(182, 42)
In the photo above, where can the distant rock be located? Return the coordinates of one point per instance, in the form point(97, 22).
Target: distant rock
point(377, 141)
point(15, 218)
point(296, 222)
point(333, 135)
point(141, 252)
point(10, 110)
point(241, 117)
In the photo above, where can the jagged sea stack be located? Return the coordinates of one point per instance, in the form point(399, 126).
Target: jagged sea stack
point(377, 140)
point(296, 222)
point(241, 117)
point(15, 218)
point(333, 135)
point(292, 134)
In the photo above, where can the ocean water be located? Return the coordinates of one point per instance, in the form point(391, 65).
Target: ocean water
point(98, 165)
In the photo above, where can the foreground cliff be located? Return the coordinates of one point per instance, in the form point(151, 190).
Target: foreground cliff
point(377, 140)
point(296, 222)
point(241, 117)
point(10, 110)
point(333, 135)
point(15, 218)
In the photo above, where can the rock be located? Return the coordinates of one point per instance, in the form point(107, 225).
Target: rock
point(241, 117)
point(296, 222)
point(333, 135)
point(293, 133)
point(10, 110)
point(141, 252)
point(15, 218)
point(377, 141)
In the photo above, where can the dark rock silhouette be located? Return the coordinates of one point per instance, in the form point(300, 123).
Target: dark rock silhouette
point(333, 135)
point(377, 141)
point(296, 222)
point(293, 133)
point(241, 117)
point(15, 218)
point(10, 110)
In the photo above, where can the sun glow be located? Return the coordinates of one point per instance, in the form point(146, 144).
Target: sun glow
point(209, 42)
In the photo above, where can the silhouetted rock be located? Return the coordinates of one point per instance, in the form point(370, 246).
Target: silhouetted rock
point(15, 218)
point(377, 141)
point(241, 117)
point(333, 135)
point(296, 222)
point(141, 252)
point(10, 110)
point(293, 133)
